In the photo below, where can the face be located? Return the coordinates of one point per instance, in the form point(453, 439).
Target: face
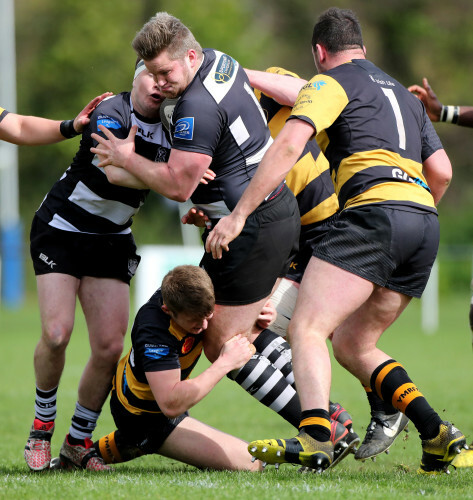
point(172, 76)
point(191, 323)
point(145, 95)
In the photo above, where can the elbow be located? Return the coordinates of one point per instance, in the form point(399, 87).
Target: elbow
point(171, 411)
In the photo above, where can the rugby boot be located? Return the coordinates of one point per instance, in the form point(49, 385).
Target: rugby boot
point(439, 452)
point(344, 442)
point(303, 450)
point(463, 459)
point(80, 457)
point(381, 433)
point(38, 447)
point(338, 413)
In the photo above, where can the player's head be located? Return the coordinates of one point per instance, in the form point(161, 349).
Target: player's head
point(170, 52)
point(336, 30)
point(188, 297)
point(144, 94)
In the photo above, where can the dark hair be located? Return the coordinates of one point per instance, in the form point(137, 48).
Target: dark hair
point(188, 289)
point(337, 30)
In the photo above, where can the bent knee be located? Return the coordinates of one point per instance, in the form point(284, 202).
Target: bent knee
point(56, 335)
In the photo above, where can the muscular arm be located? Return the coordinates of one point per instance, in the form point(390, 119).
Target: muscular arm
point(175, 179)
point(34, 130)
point(276, 163)
point(282, 88)
point(175, 396)
point(437, 170)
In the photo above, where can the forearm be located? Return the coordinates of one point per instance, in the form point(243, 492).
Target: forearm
point(30, 130)
point(187, 393)
point(121, 177)
point(466, 116)
point(158, 176)
point(272, 170)
point(282, 88)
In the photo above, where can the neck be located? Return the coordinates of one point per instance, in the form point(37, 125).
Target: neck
point(343, 57)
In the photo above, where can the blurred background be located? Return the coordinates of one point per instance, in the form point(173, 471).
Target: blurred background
point(67, 52)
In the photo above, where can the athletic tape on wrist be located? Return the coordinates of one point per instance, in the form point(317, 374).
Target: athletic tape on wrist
point(450, 114)
point(67, 129)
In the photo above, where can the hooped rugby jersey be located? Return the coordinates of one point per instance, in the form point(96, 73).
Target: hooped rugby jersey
point(309, 179)
point(158, 344)
point(374, 133)
point(83, 200)
point(218, 115)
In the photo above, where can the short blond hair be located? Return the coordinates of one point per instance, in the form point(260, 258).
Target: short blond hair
point(164, 32)
point(188, 289)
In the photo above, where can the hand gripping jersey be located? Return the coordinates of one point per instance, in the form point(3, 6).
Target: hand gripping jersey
point(309, 179)
point(219, 115)
point(374, 133)
point(157, 344)
point(83, 200)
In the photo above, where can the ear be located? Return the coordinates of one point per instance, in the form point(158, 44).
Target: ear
point(321, 52)
point(164, 308)
point(192, 56)
point(364, 50)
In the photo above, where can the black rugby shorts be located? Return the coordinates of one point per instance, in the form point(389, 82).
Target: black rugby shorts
point(259, 255)
point(393, 247)
point(147, 431)
point(80, 254)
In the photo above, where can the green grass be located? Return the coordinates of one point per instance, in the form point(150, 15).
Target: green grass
point(441, 365)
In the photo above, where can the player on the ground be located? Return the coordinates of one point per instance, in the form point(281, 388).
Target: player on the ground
point(152, 389)
point(389, 170)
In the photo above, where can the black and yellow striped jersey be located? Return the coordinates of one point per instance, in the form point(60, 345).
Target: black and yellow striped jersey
point(3, 113)
point(158, 343)
point(309, 179)
point(374, 133)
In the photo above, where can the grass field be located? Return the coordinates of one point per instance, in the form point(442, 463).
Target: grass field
point(441, 365)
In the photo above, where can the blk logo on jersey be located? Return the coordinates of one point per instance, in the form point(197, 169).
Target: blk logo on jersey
point(108, 122)
point(184, 128)
point(225, 69)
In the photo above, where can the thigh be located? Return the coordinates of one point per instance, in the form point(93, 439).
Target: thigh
point(57, 302)
point(327, 296)
point(195, 443)
point(228, 321)
point(105, 303)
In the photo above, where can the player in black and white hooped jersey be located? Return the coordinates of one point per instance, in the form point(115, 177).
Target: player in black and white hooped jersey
point(82, 247)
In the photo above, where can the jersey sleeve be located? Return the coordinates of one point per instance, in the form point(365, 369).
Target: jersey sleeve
point(3, 113)
point(320, 102)
point(154, 349)
point(198, 125)
point(430, 139)
point(113, 115)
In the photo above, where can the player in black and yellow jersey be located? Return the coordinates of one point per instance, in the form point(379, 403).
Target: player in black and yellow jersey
point(389, 170)
point(152, 389)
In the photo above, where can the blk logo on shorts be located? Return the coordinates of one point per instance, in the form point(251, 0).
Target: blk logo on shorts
point(47, 260)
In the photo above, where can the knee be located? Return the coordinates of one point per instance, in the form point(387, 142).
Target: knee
point(342, 351)
point(108, 351)
point(56, 335)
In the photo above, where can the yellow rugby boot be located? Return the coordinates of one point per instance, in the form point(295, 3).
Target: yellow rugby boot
point(439, 452)
point(303, 450)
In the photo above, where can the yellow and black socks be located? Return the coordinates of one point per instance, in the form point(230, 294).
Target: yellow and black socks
point(392, 383)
